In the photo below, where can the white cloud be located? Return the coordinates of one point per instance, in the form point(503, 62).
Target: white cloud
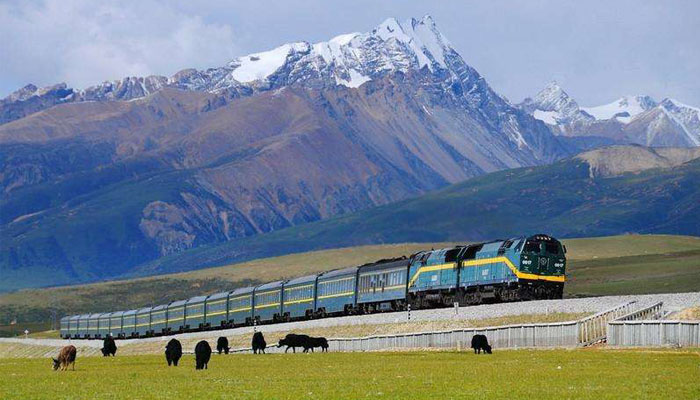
point(84, 42)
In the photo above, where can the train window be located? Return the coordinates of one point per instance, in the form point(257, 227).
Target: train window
point(451, 255)
point(552, 248)
point(532, 247)
point(471, 251)
point(518, 244)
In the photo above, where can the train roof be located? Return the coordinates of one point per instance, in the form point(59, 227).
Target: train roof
point(160, 307)
point(385, 264)
point(338, 272)
point(196, 299)
point(94, 315)
point(66, 318)
point(144, 309)
point(177, 303)
point(129, 312)
point(542, 238)
point(300, 280)
point(220, 295)
point(107, 314)
point(245, 290)
point(117, 314)
point(271, 285)
point(75, 317)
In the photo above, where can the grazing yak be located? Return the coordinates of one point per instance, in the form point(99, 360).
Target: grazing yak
point(316, 342)
point(479, 342)
point(293, 341)
point(304, 341)
point(259, 343)
point(109, 347)
point(173, 352)
point(222, 345)
point(65, 358)
point(202, 352)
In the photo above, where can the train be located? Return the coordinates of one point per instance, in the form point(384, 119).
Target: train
point(521, 268)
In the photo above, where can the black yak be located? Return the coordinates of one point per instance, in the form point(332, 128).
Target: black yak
point(316, 342)
point(173, 352)
point(222, 345)
point(202, 352)
point(65, 358)
point(109, 347)
point(259, 343)
point(294, 341)
point(479, 342)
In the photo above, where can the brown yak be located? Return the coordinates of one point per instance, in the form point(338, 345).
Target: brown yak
point(66, 357)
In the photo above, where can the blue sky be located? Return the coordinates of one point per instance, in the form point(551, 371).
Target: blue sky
point(597, 50)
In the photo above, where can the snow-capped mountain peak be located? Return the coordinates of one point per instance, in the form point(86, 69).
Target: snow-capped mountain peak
point(348, 59)
point(687, 117)
point(259, 66)
point(554, 106)
point(622, 109)
point(630, 119)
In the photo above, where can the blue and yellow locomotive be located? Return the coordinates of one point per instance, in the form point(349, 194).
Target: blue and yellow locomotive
point(521, 268)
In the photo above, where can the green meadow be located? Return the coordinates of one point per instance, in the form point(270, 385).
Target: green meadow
point(540, 374)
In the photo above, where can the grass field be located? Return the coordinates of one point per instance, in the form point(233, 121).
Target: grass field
point(541, 374)
point(629, 264)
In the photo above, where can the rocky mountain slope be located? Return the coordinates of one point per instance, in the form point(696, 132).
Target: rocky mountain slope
point(97, 181)
point(630, 119)
point(586, 195)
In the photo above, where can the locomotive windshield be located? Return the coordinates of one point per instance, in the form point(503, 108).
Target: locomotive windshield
point(553, 248)
point(538, 247)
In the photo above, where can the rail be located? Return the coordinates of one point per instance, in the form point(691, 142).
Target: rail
point(653, 311)
point(594, 328)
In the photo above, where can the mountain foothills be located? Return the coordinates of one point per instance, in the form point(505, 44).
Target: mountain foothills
point(621, 189)
point(101, 182)
point(629, 119)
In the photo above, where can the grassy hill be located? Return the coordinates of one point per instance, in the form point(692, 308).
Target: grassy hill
point(597, 266)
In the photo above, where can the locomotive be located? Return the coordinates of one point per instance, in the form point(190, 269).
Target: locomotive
point(522, 268)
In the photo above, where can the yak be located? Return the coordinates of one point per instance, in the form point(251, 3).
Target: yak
point(109, 347)
point(202, 352)
point(173, 352)
point(316, 342)
point(65, 358)
point(479, 342)
point(222, 345)
point(259, 343)
point(294, 341)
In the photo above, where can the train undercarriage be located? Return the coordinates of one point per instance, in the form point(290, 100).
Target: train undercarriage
point(474, 295)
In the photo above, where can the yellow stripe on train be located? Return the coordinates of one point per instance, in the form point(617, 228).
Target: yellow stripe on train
point(484, 261)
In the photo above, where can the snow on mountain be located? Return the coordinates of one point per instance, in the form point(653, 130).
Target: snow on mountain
point(622, 109)
point(686, 116)
point(349, 60)
point(553, 106)
point(629, 119)
point(261, 65)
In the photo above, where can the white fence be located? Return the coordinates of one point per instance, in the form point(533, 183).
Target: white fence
point(557, 334)
point(654, 333)
point(563, 334)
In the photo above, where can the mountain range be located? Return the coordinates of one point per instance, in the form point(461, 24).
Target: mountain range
point(624, 189)
point(101, 182)
point(629, 119)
